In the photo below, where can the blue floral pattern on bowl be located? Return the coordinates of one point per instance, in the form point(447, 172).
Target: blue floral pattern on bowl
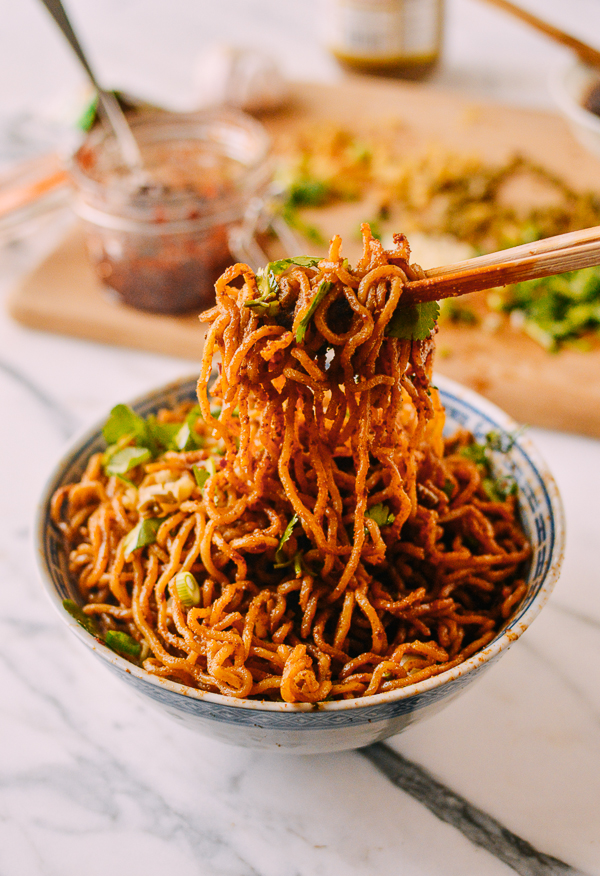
point(333, 726)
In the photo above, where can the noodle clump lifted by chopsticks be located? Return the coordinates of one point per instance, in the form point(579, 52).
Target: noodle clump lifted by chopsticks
point(337, 545)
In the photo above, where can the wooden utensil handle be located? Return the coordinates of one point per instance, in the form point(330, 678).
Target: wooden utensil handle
point(542, 258)
point(587, 54)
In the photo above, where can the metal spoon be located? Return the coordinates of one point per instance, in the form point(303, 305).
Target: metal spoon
point(108, 103)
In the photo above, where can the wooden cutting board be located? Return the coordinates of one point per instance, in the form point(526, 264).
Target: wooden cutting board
point(63, 295)
point(559, 390)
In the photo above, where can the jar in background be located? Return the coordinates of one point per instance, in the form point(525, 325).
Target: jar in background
point(391, 37)
point(159, 242)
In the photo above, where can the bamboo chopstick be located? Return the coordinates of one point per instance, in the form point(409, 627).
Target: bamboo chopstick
point(530, 261)
point(587, 54)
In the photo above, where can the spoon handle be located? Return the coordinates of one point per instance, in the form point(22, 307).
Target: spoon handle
point(107, 101)
point(57, 11)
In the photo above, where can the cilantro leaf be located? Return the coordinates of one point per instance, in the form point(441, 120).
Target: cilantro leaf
point(496, 488)
point(324, 287)
point(133, 440)
point(124, 426)
point(477, 453)
point(554, 310)
point(160, 435)
point(503, 443)
point(492, 490)
point(413, 321)
point(308, 192)
point(279, 556)
point(302, 261)
point(124, 422)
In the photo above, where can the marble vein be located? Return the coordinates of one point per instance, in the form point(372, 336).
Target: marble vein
point(94, 791)
point(92, 781)
point(479, 827)
point(578, 616)
point(64, 419)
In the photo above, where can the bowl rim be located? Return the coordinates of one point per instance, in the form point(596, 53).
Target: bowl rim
point(514, 629)
point(565, 98)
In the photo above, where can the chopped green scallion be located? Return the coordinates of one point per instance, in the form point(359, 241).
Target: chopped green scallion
point(187, 589)
point(142, 534)
point(279, 555)
point(448, 487)
point(84, 620)
point(325, 286)
point(201, 475)
point(381, 514)
point(123, 643)
point(124, 460)
point(183, 439)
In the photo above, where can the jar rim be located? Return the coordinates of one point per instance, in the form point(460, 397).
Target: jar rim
point(226, 131)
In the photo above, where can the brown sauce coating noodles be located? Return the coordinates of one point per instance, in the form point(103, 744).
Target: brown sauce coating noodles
point(341, 547)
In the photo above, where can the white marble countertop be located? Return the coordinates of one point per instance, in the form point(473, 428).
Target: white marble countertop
point(94, 782)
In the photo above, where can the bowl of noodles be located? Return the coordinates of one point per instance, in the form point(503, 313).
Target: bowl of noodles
point(317, 544)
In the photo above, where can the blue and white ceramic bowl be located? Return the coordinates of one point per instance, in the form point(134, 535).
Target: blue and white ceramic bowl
point(333, 726)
